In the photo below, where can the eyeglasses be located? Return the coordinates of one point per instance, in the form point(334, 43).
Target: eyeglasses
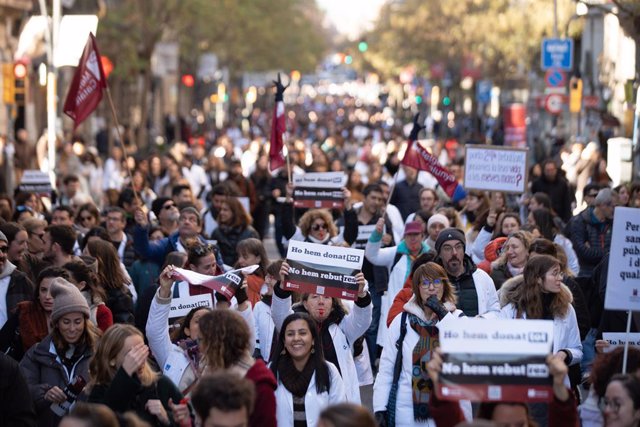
point(318, 227)
point(426, 284)
point(613, 404)
point(447, 249)
point(169, 206)
point(4, 249)
point(85, 218)
point(22, 208)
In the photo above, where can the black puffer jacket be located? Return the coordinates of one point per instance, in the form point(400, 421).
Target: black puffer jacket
point(227, 239)
point(591, 240)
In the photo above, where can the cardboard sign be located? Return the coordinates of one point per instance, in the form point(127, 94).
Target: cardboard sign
point(495, 168)
point(617, 339)
point(319, 190)
point(323, 269)
point(226, 283)
point(180, 307)
point(496, 359)
point(623, 278)
point(36, 181)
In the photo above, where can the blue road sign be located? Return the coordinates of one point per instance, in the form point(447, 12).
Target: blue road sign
point(555, 78)
point(483, 91)
point(557, 53)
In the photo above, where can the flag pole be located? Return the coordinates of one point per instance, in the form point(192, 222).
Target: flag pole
point(288, 161)
point(395, 182)
point(124, 151)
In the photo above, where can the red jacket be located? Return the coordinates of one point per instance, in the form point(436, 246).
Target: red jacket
point(264, 411)
point(400, 300)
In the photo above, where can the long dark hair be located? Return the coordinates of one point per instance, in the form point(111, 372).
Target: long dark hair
point(179, 333)
point(544, 221)
point(323, 379)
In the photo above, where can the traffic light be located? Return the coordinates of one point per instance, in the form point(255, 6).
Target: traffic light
point(8, 92)
point(363, 46)
point(575, 94)
point(188, 80)
point(20, 82)
point(446, 101)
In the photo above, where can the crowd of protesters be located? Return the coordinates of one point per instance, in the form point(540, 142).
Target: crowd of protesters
point(88, 276)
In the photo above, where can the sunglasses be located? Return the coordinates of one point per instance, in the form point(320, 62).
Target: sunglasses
point(4, 249)
point(169, 206)
point(318, 227)
point(85, 218)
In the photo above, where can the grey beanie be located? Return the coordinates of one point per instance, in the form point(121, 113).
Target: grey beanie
point(3, 237)
point(67, 298)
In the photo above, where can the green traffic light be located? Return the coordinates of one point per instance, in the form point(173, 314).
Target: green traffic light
point(418, 99)
point(363, 46)
point(348, 59)
point(446, 101)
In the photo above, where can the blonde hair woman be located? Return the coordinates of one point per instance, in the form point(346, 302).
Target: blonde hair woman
point(122, 378)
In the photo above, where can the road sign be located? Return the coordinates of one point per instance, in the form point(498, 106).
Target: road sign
point(8, 84)
point(557, 53)
point(555, 78)
point(483, 91)
point(591, 101)
point(553, 103)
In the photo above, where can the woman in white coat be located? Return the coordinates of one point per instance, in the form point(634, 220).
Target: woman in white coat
point(307, 383)
point(405, 402)
point(540, 294)
point(338, 329)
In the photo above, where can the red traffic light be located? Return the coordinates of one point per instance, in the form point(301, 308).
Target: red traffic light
point(188, 80)
point(19, 70)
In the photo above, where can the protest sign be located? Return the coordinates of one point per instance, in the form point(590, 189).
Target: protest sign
point(36, 181)
point(364, 232)
point(495, 168)
point(180, 307)
point(226, 283)
point(617, 339)
point(319, 190)
point(495, 359)
point(323, 269)
point(623, 278)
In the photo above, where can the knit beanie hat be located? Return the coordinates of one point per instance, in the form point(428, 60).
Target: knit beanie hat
point(438, 218)
point(67, 298)
point(450, 234)
point(3, 237)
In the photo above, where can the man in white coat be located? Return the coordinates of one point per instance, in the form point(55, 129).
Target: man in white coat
point(476, 291)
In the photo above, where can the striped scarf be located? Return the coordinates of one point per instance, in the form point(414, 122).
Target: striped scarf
point(420, 384)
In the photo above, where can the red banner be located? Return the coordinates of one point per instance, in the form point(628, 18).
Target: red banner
point(278, 128)
point(419, 158)
point(85, 91)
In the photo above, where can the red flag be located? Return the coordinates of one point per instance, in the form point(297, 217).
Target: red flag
point(85, 91)
point(419, 158)
point(278, 128)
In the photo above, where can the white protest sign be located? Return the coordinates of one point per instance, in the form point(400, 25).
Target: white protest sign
point(623, 278)
point(495, 168)
point(323, 269)
point(35, 181)
point(319, 189)
point(180, 307)
point(364, 232)
point(617, 339)
point(495, 359)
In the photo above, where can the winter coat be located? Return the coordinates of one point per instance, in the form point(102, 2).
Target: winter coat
point(292, 232)
point(158, 250)
point(382, 386)
point(406, 197)
point(170, 357)
point(572, 257)
point(559, 192)
point(591, 240)
point(398, 273)
point(227, 239)
point(265, 329)
point(351, 327)
point(264, 409)
point(314, 403)
point(42, 370)
point(126, 393)
point(19, 288)
point(499, 274)
point(26, 327)
point(16, 407)
point(488, 305)
point(566, 335)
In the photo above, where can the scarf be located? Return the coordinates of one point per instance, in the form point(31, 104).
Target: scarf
point(191, 350)
point(514, 270)
point(266, 299)
point(420, 384)
point(318, 241)
point(293, 380)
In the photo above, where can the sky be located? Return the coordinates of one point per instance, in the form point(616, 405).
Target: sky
point(351, 16)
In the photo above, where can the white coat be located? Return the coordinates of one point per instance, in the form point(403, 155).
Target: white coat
point(264, 329)
point(170, 357)
point(397, 276)
point(314, 403)
point(572, 258)
point(352, 327)
point(382, 386)
point(488, 305)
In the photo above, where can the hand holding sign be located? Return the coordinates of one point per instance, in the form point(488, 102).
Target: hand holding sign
point(166, 281)
point(380, 226)
point(284, 271)
point(558, 370)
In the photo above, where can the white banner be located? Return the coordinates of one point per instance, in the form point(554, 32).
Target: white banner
point(180, 307)
point(623, 278)
point(495, 168)
point(617, 339)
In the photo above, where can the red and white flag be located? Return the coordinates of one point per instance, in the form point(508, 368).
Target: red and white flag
point(85, 91)
point(278, 128)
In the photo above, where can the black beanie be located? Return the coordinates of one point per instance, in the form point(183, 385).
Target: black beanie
point(450, 234)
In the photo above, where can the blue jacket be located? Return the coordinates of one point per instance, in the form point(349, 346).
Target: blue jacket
point(155, 251)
